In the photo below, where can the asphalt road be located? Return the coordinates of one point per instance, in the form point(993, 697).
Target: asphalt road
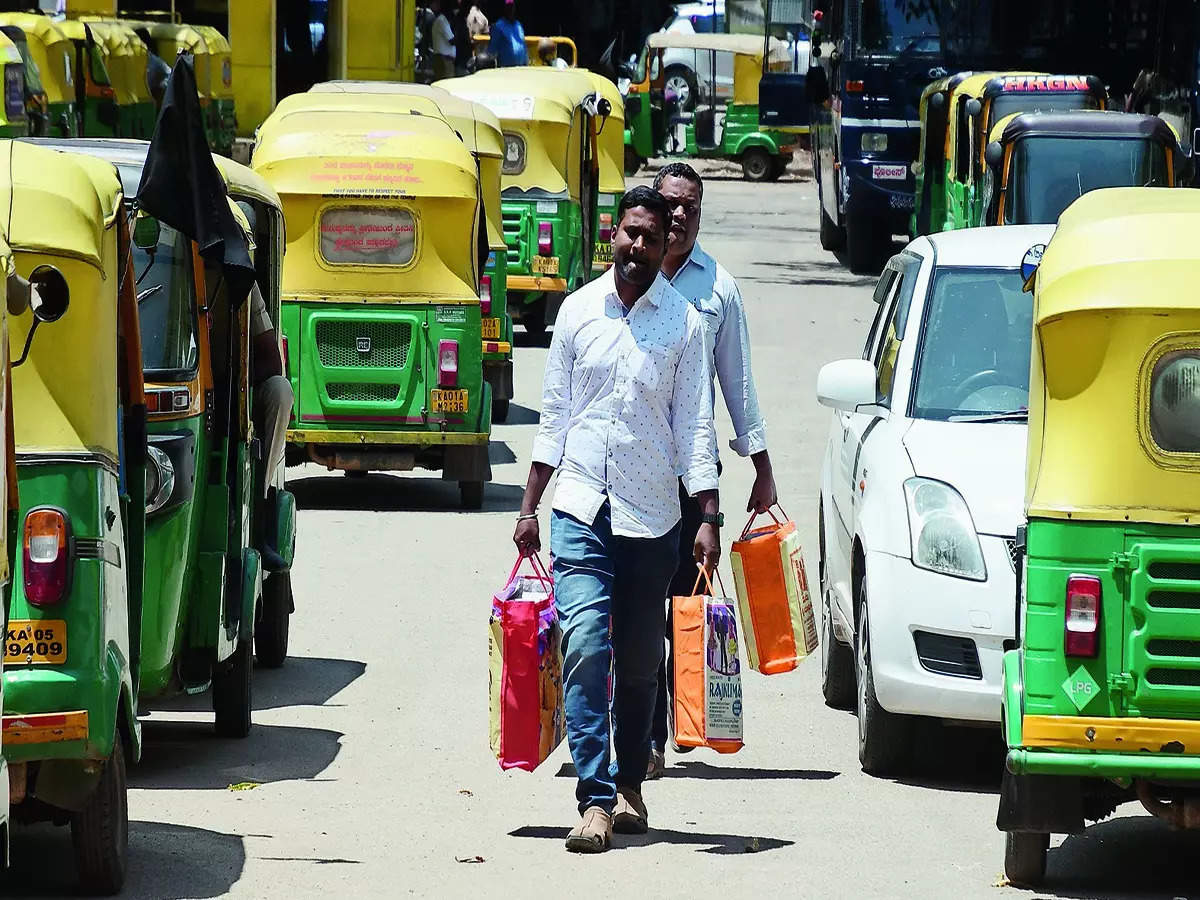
point(368, 771)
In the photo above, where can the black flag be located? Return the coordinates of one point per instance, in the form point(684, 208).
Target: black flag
point(181, 185)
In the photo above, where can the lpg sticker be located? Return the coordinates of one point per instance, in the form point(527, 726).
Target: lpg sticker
point(1081, 687)
point(889, 173)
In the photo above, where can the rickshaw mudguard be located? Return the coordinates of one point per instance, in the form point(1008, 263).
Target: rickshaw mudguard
point(285, 527)
point(235, 633)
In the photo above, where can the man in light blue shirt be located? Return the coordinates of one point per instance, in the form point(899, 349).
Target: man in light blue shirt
point(710, 289)
point(508, 38)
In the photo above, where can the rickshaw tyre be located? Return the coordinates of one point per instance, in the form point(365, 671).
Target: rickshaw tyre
point(274, 626)
point(355, 473)
point(1025, 857)
point(756, 165)
point(232, 698)
point(470, 494)
point(500, 408)
point(100, 831)
point(885, 739)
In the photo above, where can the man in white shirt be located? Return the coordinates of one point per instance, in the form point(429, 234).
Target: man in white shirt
point(712, 291)
point(626, 410)
point(443, 40)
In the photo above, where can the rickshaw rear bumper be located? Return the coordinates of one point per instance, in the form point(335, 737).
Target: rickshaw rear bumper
point(1107, 747)
point(534, 283)
point(461, 456)
point(52, 735)
point(1102, 765)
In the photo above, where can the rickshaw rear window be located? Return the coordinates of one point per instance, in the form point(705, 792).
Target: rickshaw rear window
point(1032, 101)
point(167, 307)
point(514, 154)
point(368, 236)
point(1175, 401)
point(974, 354)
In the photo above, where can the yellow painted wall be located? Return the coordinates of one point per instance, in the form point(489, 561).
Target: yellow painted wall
point(252, 37)
point(379, 38)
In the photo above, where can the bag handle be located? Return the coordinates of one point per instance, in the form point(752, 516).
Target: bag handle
point(704, 574)
point(754, 515)
point(535, 562)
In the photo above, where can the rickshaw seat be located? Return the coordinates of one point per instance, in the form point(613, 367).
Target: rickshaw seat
point(706, 123)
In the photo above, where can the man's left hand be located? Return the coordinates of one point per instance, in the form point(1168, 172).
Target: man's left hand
point(707, 548)
point(762, 495)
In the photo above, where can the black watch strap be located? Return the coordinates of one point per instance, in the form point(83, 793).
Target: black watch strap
point(717, 519)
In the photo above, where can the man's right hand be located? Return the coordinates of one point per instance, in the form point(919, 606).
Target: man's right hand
point(527, 536)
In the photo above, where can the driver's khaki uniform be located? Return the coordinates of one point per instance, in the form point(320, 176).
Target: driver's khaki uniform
point(272, 397)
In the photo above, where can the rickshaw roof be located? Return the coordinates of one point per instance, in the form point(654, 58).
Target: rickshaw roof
point(1131, 235)
point(514, 99)
point(73, 29)
point(742, 44)
point(118, 38)
point(245, 181)
point(83, 193)
point(1083, 123)
point(996, 83)
point(315, 101)
point(41, 27)
point(186, 35)
point(216, 41)
point(420, 154)
point(9, 52)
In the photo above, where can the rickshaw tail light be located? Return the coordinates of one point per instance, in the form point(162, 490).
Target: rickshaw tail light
point(545, 238)
point(485, 295)
point(447, 363)
point(47, 556)
point(606, 228)
point(854, 87)
point(1081, 628)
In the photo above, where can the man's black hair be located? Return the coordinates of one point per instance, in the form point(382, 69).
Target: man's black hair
point(679, 170)
point(647, 198)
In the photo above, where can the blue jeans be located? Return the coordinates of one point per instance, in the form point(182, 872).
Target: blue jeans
point(602, 579)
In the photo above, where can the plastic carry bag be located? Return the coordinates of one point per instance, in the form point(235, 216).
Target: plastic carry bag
point(778, 624)
point(708, 685)
point(525, 670)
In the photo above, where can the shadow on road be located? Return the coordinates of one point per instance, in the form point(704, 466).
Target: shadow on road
point(522, 415)
point(302, 681)
point(957, 760)
point(706, 772)
point(382, 492)
point(720, 844)
point(165, 861)
point(499, 453)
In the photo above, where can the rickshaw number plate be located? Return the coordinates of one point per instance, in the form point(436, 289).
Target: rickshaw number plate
point(602, 253)
point(38, 641)
point(491, 329)
point(450, 401)
point(545, 265)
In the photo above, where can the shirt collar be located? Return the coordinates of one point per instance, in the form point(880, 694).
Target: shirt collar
point(697, 257)
point(653, 293)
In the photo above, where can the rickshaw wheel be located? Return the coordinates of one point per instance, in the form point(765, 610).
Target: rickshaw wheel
point(100, 831)
point(756, 164)
point(470, 493)
point(533, 317)
point(499, 409)
point(271, 633)
point(231, 693)
point(1025, 857)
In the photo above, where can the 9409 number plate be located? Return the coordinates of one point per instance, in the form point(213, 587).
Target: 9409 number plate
point(37, 641)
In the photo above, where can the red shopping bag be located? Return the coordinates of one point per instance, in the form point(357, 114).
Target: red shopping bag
point(525, 669)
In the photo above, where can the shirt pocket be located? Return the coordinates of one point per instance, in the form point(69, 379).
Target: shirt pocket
point(652, 369)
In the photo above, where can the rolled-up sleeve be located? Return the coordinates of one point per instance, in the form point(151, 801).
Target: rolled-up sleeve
point(556, 395)
point(732, 356)
point(692, 413)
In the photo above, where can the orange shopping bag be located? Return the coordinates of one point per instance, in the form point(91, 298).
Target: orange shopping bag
point(778, 624)
point(708, 686)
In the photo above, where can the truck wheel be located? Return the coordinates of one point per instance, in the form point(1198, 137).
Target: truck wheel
point(779, 165)
point(271, 633)
point(1025, 857)
point(231, 693)
point(865, 247)
point(100, 831)
point(756, 164)
point(884, 738)
point(470, 494)
point(832, 237)
point(499, 408)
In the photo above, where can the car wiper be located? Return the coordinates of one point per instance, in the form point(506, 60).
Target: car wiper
point(142, 295)
point(1015, 415)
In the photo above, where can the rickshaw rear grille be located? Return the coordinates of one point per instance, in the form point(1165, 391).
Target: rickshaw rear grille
point(1182, 677)
point(363, 393)
point(1175, 571)
point(338, 344)
point(1171, 647)
point(512, 223)
point(1173, 600)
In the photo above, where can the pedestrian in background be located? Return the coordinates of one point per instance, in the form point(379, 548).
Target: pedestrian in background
point(548, 54)
point(477, 22)
point(463, 45)
point(442, 43)
point(712, 290)
point(508, 38)
point(626, 404)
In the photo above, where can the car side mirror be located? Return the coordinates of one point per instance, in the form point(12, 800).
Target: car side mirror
point(146, 231)
point(53, 294)
point(974, 107)
point(994, 154)
point(846, 384)
point(938, 100)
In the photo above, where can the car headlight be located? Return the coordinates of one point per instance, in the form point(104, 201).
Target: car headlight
point(941, 530)
point(874, 141)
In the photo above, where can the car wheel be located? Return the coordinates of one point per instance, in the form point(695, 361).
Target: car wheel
point(682, 81)
point(756, 164)
point(100, 830)
point(884, 738)
point(837, 660)
point(1025, 857)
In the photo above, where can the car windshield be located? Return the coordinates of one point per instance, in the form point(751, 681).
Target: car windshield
point(899, 26)
point(1031, 101)
point(974, 355)
point(1048, 174)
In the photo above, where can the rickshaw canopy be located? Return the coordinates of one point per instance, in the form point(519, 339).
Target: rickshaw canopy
point(610, 142)
point(1116, 352)
point(126, 60)
point(747, 50)
point(9, 53)
point(221, 61)
point(51, 51)
point(172, 38)
point(1084, 123)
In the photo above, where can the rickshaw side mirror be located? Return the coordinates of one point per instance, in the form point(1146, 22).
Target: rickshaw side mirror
point(938, 100)
point(53, 294)
point(974, 107)
point(146, 231)
point(994, 154)
point(604, 107)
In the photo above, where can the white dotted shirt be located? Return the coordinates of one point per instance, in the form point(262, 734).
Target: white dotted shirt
point(627, 404)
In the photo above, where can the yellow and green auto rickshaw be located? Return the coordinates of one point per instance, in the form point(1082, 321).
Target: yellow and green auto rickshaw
point(15, 121)
point(72, 654)
point(223, 128)
point(126, 58)
point(610, 152)
point(51, 56)
point(168, 40)
point(37, 107)
point(381, 289)
point(929, 169)
point(95, 98)
point(1039, 163)
point(1101, 697)
point(550, 179)
point(480, 130)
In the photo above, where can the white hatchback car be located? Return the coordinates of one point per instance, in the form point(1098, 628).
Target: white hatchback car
point(922, 489)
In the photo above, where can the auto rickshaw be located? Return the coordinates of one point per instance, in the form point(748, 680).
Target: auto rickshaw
point(95, 98)
point(929, 170)
point(71, 658)
point(480, 130)
point(168, 40)
point(550, 180)
point(15, 122)
point(37, 108)
point(126, 58)
point(716, 129)
point(1039, 163)
point(220, 74)
point(1101, 697)
point(610, 151)
point(51, 56)
point(380, 290)
point(564, 46)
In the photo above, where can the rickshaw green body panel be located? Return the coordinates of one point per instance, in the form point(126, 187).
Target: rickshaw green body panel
point(606, 205)
point(521, 217)
point(639, 125)
point(742, 132)
point(136, 120)
point(96, 676)
point(14, 129)
point(1146, 666)
point(62, 120)
point(497, 364)
point(224, 126)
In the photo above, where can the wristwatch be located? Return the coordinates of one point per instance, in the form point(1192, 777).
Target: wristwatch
point(717, 519)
